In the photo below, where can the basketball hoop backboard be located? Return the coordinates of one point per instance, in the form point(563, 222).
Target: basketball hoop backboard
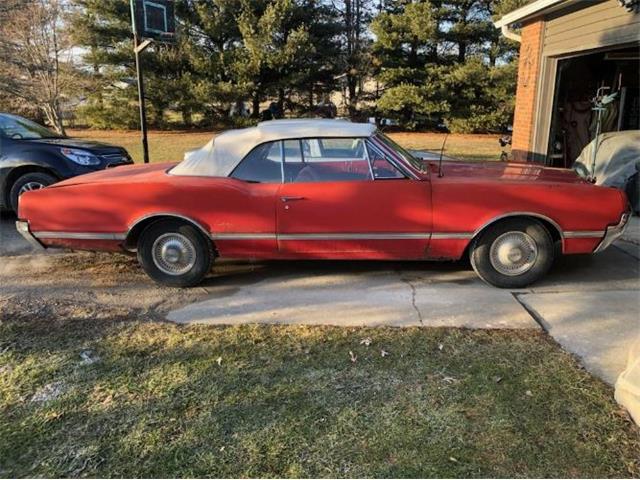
point(155, 19)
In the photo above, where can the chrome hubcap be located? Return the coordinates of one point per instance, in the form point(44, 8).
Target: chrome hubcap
point(27, 187)
point(173, 254)
point(513, 253)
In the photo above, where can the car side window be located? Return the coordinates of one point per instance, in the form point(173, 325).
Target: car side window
point(261, 165)
point(326, 160)
point(381, 166)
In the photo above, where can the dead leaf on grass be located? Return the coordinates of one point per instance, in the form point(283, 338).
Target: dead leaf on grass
point(353, 357)
point(89, 357)
point(48, 392)
point(365, 341)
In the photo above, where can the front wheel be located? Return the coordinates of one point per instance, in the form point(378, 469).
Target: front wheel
point(26, 183)
point(175, 253)
point(513, 253)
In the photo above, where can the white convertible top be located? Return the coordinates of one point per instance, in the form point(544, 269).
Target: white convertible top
point(222, 154)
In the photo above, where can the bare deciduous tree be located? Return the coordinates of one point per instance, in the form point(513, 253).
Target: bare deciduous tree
point(32, 44)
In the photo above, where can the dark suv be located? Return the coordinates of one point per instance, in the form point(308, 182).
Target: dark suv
point(32, 157)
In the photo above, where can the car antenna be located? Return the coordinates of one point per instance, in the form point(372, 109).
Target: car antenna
point(444, 142)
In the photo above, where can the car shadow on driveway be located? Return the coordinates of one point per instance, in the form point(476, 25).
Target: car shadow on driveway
point(11, 242)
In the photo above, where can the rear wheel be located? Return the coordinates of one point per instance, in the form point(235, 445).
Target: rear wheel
point(26, 183)
point(175, 253)
point(513, 253)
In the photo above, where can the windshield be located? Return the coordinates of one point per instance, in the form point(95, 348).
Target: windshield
point(407, 157)
point(20, 128)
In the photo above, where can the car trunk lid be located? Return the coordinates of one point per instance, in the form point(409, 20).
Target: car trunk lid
point(132, 173)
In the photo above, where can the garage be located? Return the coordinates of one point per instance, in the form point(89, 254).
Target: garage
point(578, 75)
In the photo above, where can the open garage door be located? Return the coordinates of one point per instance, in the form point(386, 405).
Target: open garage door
point(578, 80)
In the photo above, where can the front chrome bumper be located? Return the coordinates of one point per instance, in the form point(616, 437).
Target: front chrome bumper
point(613, 233)
point(23, 228)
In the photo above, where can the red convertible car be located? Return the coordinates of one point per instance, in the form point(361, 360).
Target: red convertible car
point(326, 189)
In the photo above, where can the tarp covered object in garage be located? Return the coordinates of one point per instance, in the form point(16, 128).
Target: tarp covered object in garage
point(617, 158)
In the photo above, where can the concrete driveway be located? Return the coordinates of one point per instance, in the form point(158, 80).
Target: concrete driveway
point(589, 304)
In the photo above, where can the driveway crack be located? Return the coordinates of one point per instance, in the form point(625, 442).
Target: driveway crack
point(532, 312)
point(413, 297)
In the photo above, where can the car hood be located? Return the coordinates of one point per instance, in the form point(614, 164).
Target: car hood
point(94, 147)
point(125, 173)
point(505, 171)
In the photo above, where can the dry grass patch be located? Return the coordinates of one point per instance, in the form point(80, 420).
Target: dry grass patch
point(170, 146)
point(122, 398)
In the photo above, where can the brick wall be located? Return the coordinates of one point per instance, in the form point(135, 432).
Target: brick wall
point(528, 78)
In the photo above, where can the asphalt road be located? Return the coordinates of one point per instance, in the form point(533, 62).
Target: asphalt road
point(11, 242)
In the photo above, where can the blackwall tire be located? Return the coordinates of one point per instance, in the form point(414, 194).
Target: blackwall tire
point(28, 181)
point(175, 254)
point(513, 253)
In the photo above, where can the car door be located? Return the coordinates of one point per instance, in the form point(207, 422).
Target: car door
point(342, 198)
point(242, 216)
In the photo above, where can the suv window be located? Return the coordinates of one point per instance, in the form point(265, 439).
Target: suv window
point(327, 160)
point(12, 126)
point(261, 165)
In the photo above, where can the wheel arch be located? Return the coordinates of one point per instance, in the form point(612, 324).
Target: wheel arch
point(138, 226)
point(554, 229)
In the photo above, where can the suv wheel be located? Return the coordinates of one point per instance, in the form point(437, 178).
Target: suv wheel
point(26, 183)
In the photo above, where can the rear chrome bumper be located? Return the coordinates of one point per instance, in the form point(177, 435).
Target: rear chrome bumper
point(23, 229)
point(613, 233)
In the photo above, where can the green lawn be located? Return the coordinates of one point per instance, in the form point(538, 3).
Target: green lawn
point(277, 401)
point(169, 146)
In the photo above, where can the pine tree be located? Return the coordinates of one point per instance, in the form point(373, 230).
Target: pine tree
point(445, 59)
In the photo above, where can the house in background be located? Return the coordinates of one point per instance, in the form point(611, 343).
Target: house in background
point(568, 50)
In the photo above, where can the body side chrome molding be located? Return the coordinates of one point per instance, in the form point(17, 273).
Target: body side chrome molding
point(80, 235)
point(354, 236)
point(451, 235)
point(305, 236)
point(584, 234)
point(116, 236)
point(242, 236)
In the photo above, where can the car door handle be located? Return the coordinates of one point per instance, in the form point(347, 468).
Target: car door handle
point(291, 199)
